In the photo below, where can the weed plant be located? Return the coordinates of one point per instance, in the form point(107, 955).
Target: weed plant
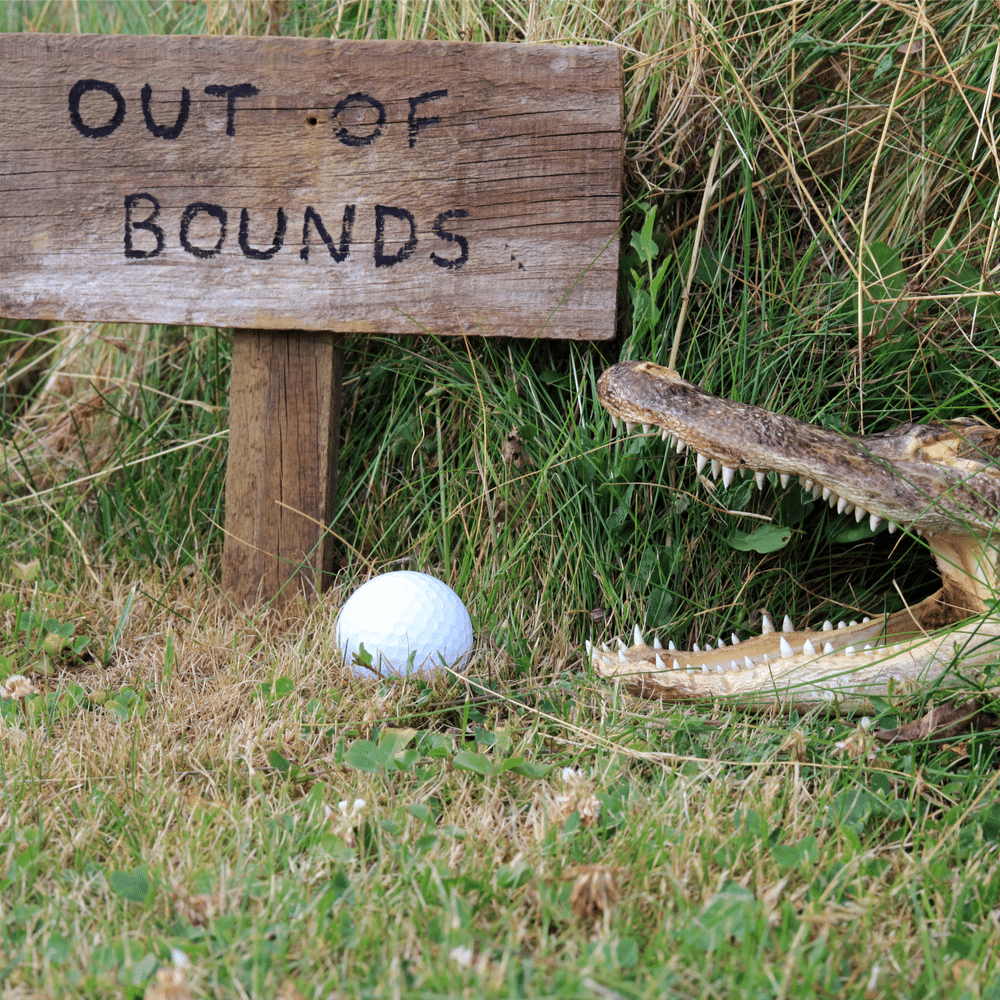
point(196, 801)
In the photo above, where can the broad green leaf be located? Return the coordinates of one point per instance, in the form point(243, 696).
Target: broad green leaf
point(510, 764)
point(793, 855)
point(363, 755)
point(852, 807)
point(658, 605)
point(144, 968)
point(422, 812)
point(133, 886)
point(469, 760)
point(767, 538)
point(883, 267)
point(627, 952)
point(845, 532)
point(529, 770)
point(730, 913)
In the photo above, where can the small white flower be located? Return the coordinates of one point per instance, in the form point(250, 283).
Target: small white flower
point(17, 686)
point(461, 955)
point(342, 818)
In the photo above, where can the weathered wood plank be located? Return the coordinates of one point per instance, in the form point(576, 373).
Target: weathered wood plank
point(506, 158)
point(281, 477)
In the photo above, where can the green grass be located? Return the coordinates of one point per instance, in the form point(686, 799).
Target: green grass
point(175, 782)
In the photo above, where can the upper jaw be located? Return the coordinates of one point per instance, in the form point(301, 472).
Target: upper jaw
point(938, 477)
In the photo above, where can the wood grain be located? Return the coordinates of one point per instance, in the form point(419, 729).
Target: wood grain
point(523, 139)
point(281, 478)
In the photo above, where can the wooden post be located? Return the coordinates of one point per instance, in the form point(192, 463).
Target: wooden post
point(306, 188)
point(281, 479)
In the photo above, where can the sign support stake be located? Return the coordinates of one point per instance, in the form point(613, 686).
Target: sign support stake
point(281, 477)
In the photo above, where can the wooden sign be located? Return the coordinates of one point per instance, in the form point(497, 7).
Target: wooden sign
point(299, 188)
point(308, 184)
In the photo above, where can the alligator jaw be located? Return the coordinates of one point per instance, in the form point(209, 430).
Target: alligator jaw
point(847, 667)
point(938, 479)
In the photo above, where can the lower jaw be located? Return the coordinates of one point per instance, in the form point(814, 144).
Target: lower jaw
point(838, 667)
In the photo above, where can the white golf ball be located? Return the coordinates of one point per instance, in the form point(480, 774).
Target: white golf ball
point(407, 622)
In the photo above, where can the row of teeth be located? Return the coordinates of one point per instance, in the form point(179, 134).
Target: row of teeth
point(785, 648)
point(760, 477)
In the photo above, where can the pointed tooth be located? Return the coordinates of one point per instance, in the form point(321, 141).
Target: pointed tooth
point(728, 476)
point(859, 513)
point(700, 462)
point(787, 625)
point(849, 509)
point(670, 645)
point(681, 447)
point(828, 626)
point(695, 648)
point(834, 500)
point(808, 648)
point(767, 659)
point(841, 624)
point(630, 427)
point(817, 491)
point(735, 638)
point(766, 625)
point(720, 644)
point(760, 478)
point(865, 620)
point(660, 665)
point(827, 493)
point(704, 668)
point(897, 647)
point(605, 648)
point(786, 647)
point(646, 428)
point(851, 624)
point(893, 527)
point(748, 663)
point(621, 658)
point(677, 665)
point(656, 642)
point(850, 650)
point(744, 471)
point(920, 532)
point(665, 436)
point(689, 668)
point(785, 479)
point(827, 648)
point(842, 505)
point(807, 484)
point(614, 421)
point(637, 636)
point(733, 665)
point(868, 645)
point(716, 468)
point(621, 645)
point(719, 668)
point(875, 522)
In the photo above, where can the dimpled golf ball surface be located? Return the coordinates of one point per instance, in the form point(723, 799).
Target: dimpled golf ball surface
point(397, 614)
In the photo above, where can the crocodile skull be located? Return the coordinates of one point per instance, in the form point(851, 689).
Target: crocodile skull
point(940, 480)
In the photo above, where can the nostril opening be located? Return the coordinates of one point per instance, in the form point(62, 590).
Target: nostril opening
point(311, 120)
